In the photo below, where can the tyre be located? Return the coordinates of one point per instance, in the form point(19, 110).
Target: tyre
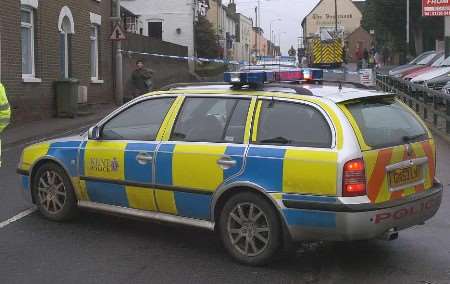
point(250, 229)
point(53, 193)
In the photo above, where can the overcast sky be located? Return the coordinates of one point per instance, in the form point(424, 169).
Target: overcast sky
point(291, 13)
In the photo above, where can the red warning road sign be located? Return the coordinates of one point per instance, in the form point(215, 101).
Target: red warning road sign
point(118, 33)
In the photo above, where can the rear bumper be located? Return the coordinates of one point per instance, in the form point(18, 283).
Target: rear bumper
point(337, 221)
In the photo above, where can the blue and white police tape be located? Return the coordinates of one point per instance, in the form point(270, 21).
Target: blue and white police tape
point(337, 71)
point(189, 58)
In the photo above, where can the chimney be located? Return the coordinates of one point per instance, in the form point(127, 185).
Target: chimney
point(232, 7)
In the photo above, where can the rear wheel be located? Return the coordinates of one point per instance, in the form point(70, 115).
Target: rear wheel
point(53, 193)
point(250, 229)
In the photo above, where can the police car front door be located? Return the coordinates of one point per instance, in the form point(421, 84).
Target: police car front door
point(205, 148)
point(118, 168)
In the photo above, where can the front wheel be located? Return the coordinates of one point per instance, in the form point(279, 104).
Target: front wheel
point(53, 193)
point(250, 229)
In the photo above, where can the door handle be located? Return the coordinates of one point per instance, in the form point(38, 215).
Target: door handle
point(144, 158)
point(226, 162)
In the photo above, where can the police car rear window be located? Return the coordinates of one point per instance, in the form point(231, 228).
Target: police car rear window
point(385, 122)
point(293, 124)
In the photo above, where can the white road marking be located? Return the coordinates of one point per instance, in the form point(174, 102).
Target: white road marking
point(17, 217)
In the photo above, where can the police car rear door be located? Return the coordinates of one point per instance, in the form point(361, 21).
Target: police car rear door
point(205, 147)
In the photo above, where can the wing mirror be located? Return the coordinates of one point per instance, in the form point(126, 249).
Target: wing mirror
point(94, 133)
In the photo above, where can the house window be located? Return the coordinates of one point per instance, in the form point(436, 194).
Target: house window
point(65, 48)
point(66, 27)
point(94, 52)
point(27, 41)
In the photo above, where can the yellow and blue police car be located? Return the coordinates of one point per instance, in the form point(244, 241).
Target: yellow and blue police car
point(260, 167)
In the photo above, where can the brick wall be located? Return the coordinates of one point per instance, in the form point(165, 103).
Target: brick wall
point(167, 70)
point(34, 101)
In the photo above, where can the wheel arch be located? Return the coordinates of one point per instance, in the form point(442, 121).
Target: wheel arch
point(226, 192)
point(41, 161)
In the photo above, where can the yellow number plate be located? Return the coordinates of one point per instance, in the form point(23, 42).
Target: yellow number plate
point(405, 176)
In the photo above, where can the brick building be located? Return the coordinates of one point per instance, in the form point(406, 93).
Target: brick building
point(359, 39)
point(44, 41)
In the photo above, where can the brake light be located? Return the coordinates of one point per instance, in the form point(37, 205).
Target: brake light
point(354, 179)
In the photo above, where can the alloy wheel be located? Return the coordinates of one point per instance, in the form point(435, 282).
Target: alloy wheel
point(248, 229)
point(52, 192)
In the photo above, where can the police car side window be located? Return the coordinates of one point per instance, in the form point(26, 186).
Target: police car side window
point(293, 124)
point(215, 120)
point(140, 122)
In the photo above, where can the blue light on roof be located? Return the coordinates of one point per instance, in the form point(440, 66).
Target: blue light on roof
point(248, 77)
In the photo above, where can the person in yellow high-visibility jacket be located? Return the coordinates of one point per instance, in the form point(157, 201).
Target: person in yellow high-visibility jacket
point(5, 113)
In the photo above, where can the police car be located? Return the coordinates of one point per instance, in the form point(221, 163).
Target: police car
point(262, 167)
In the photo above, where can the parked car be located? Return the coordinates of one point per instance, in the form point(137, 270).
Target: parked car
point(438, 83)
point(410, 65)
point(414, 73)
point(424, 78)
point(427, 62)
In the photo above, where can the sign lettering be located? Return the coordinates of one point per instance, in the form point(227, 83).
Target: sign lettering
point(432, 8)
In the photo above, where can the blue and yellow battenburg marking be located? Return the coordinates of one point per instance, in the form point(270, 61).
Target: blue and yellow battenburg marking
point(66, 152)
point(181, 168)
point(291, 170)
point(116, 162)
point(308, 218)
point(192, 167)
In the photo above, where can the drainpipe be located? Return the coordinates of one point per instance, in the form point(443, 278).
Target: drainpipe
point(119, 64)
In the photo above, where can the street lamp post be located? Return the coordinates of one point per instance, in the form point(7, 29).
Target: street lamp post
point(279, 38)
point(271, 22)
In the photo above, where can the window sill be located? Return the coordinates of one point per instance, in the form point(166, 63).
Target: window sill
point(97, 81)
point(31, 80)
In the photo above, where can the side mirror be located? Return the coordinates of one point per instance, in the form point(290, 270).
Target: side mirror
point(94, 133)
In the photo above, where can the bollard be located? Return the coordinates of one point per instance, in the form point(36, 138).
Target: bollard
point(435, 108)
point(448, 114)
point(425, 107)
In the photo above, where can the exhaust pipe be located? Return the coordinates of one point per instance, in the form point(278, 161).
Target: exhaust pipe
point(390, 235)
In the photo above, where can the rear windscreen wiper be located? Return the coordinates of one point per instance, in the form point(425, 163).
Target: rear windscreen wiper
point(413, 138)
point(277, 140)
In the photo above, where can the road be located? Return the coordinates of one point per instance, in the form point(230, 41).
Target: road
point(104, 249)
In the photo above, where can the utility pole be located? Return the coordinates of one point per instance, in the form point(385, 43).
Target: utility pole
point(119, 71)
point(336, 17)
point(259, 12)
point(447, 36)
point(257, 31)
point(407, 24)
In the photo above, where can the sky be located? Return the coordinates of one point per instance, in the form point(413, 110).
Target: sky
point(291, 13)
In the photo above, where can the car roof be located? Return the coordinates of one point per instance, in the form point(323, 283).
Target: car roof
point(329, 91)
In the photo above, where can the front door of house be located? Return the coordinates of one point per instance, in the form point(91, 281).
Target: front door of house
point(155, 30)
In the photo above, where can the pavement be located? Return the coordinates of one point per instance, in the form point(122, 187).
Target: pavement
point(16, 134)
point(97, 248)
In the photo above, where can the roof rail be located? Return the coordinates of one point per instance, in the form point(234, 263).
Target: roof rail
point(354, 84)
point(194, 84)
point(297, 88)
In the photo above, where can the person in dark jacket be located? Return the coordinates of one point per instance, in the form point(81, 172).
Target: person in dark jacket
point(142, 79)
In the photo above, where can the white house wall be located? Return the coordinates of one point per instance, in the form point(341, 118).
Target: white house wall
point(174, 14)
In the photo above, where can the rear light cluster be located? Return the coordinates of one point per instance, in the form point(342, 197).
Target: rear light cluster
point(354, 179)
